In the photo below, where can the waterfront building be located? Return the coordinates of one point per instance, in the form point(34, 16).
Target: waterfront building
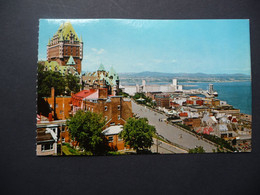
point(65, 47)
point(144, 88)
point(162, 100)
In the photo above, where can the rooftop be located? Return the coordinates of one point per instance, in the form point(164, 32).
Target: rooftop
point(113, 130)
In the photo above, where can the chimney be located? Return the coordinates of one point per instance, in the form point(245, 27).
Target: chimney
point(50, 117)
point(102, 93)
point(52, 92)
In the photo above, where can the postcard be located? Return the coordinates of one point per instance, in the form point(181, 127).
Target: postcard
point(133, 86)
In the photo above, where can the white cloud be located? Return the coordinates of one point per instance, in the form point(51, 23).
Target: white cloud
point(98, 51)
point(173, 61)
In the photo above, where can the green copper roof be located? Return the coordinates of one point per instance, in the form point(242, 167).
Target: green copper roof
point(113, 73)
point(65, 30)
point(101, 68)
point(71, 61)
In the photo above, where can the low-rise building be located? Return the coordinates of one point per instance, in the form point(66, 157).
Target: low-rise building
point(192, 122)
point(60, 106)
point(112, 135)
point(47, 138)
point(115, 109)
point(162, 100)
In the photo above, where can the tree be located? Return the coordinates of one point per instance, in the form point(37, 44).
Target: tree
point(49, 79)
point(86, 129)
point(138, 134)
point(199, 149)
point(72, 83)
point(62, 84)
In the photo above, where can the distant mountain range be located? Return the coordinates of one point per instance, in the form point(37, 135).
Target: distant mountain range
point(183, 77)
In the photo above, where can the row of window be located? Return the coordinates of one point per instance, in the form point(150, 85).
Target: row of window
point(118, 117)
point(118, 108)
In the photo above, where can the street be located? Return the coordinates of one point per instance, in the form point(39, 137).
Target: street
point(170, 132)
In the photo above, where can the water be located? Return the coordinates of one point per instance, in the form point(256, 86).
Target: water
point(237, 94)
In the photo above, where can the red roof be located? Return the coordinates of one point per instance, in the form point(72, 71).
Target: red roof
point(85, 93)
point(78, 97)
point(234, 120)
point(183, 114)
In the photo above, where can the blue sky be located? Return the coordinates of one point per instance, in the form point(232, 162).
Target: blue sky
point(172, 46)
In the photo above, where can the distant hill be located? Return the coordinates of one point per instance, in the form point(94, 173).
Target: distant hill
point(182, 77)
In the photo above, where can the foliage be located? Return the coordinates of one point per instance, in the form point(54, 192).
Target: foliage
point(138, 134)
point(68, 150)
point(86, 129)
point(147, 100)
point(198, 149)
point(72, 83)
point(123, 94)
point(184, 126)
point(62, 85)
point(49, 79)
point(219, 141)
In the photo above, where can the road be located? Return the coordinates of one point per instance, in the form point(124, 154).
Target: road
point(165, 148)
point(170, 132)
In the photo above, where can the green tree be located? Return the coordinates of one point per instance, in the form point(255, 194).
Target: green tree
point(138, 134)
point(49, 79)
point(86, 129)
point(72, 84)
point(199, 149)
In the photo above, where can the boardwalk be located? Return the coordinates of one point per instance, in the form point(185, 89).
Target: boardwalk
point(170, 132)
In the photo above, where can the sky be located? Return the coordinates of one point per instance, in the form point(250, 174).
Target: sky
point(171, 46)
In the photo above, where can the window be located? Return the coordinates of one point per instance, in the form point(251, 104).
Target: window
point(62, 129)
point(120, 139)
point(57, 105)
point(63, 139)
point(118, 107)
point(110, 139)
point(46, 147)
point(105, 108)
point(111, 124)
point(106, 118)
point(118, 117)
